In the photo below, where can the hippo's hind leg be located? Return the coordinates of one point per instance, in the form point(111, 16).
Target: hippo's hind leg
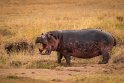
point(105, 57)
point(59, 57)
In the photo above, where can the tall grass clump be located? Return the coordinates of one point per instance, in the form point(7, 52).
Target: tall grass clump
point(118, 56)
point(120, 18)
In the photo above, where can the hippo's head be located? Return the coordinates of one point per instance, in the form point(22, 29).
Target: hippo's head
point(49, 43)
point(42, 40)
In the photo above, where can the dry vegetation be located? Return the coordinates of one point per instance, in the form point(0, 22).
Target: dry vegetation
point(27, 19)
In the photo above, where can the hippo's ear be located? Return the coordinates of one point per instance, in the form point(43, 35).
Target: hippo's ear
point(49, 35)
point(52, 35)
point(42, 34)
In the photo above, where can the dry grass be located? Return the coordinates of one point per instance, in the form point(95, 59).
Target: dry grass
point(28, 19)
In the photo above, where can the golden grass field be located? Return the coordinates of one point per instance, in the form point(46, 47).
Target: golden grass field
point(27, 19)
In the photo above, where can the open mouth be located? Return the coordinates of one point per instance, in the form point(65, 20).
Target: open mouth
point(44, 50)
point(44, 46)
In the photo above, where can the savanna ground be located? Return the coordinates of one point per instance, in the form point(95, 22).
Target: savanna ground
point(25, 20)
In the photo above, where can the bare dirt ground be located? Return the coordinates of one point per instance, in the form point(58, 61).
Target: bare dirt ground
point(64, 74)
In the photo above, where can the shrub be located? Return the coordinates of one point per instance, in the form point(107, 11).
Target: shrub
point(119, 59)
point(21, 46)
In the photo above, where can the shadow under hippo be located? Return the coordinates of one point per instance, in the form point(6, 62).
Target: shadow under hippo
point(85, 43)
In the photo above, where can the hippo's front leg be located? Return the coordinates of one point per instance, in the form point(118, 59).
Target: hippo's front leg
point(59, 57)
point(68, 59)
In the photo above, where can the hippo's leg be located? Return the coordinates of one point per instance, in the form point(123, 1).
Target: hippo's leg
point(68, 59)
point(59, 57)
point(105, 57)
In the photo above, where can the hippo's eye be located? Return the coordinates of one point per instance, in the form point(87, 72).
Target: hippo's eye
point(43, 36)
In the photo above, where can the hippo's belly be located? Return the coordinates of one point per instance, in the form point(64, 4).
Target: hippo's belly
point(85, 50)
point(85, 54)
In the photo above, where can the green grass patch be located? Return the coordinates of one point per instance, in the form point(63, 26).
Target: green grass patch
point(120, 26)
point(43, 64)
point(3, 61)
point(13, 77)
point(17, 79)
point(16, 64)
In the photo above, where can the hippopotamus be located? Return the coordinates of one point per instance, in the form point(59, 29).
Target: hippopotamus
point(85, 43)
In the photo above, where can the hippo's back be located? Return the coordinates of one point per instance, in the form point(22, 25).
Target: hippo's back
point(87, 35)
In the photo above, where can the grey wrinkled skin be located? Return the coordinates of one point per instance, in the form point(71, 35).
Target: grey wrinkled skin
point(85, 43)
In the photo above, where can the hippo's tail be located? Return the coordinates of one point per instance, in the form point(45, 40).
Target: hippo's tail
point(114, 42)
